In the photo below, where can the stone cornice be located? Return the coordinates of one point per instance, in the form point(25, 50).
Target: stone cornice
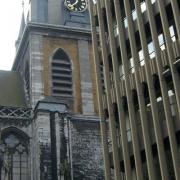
point(51, 31)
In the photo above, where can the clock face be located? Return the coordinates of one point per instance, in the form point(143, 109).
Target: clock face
point(76, 5)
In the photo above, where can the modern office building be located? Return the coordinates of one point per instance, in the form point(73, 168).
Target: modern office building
point(136, 46)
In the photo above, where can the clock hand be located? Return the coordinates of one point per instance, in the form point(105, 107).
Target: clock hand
point(74, 3)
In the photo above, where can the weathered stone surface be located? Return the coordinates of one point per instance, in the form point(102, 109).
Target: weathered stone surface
point(81, 134)
point(87, 160)
point(86, 82)
point(36, 68)
point(50, 45)
point(82, 144)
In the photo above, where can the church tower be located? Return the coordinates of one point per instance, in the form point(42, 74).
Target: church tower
point(58, 54)
point(54, 65)
point(60, 12)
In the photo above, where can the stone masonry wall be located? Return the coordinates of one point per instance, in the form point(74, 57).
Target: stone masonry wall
point(50, 45)
point(86, 81)
point(36, 68)
point(41, 146)
point(86, 159)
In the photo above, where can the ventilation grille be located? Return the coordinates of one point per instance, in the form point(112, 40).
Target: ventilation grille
point(61, 75)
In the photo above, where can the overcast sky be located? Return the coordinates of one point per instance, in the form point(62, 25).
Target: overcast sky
point(10, 18)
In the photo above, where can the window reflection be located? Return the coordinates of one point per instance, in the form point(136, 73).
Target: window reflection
point(151, 48)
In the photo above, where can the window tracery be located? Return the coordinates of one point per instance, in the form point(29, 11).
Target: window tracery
point(13, 157)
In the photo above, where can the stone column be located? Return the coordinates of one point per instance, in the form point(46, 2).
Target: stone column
point(53, 146)
point(57, 127)
point(36, 68)
point(86, 83)
point(41, 145)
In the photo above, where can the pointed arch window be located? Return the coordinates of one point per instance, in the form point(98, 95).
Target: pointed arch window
point(61, 72)
point(14, 155)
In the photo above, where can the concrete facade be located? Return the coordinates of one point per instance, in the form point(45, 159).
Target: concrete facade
point(137, 63)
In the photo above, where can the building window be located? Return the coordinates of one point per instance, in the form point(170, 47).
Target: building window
point(61, 72)
point(14, 156)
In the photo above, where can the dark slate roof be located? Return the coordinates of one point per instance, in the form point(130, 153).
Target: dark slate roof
point(11, 89)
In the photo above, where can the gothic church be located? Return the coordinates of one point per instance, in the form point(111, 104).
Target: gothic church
point(48, 105)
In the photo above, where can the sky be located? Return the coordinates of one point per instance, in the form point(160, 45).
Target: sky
point(10, 18)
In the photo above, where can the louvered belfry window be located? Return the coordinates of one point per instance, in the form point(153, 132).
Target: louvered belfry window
point(61, 74)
